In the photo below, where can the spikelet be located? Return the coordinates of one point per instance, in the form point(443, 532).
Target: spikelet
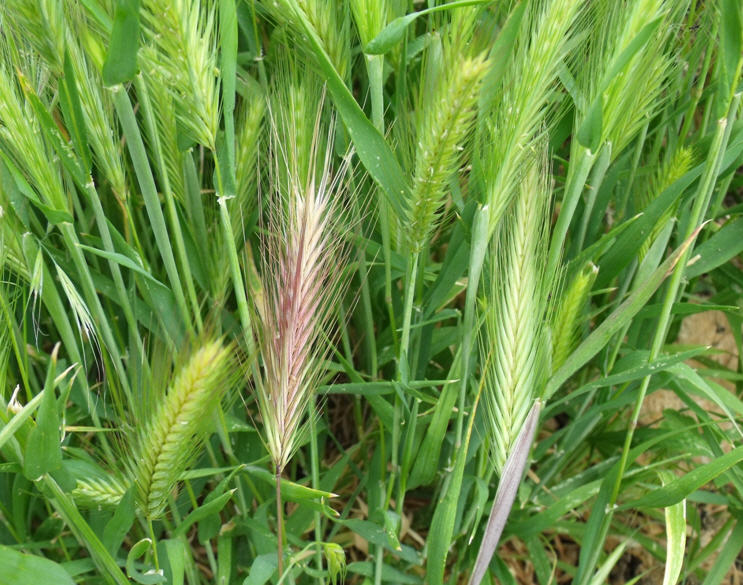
point(327, 21)
point(305, 252)
point(41, 24)
point(49, 27)
point(169, 440)
point(99, 492)
point(83, 320)
point(165, 122)
point(247, 137)
point(633, 97)
point(21, 139)
point(514, 341)
point(295, 100)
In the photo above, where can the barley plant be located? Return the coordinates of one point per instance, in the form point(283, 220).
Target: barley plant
point(371, 291)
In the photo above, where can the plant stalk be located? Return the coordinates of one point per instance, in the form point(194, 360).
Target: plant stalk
point(279, 523)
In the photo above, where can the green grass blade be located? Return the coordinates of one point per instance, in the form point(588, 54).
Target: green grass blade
point(678, 489)
point(394, 32)
point(43, 451)
point(149, 193)
point(727, 556)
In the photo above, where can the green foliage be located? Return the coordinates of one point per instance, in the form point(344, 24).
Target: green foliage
point(297, 291)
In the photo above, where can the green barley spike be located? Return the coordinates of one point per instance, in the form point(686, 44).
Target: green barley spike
point(447, 121)
point(169, 440)
point(514, 339)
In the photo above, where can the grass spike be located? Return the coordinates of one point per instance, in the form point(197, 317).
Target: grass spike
point(98, 492)
point(184, 34)
point(447, 118)
point(168, 441)
point(518, 114)
point(668, 173)
point(248, 135)
point(514, 336)
point(570, 314)
point(302, 285)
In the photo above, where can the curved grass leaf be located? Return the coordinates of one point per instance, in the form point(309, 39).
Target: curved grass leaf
point(150, 577)
point(394, 32)
point(117, 528)
point(261, 570)
point(123, 260)
point(675, 491)
point(602, 574)
point(675, 536)
point(213, 507)
point(43, 452)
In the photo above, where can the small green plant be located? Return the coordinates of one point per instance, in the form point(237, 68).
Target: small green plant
point(370, 292)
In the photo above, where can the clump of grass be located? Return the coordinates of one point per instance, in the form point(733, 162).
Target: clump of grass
point(166, 444)
point(124, 227)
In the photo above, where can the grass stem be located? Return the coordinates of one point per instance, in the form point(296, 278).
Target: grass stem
point(279, 524)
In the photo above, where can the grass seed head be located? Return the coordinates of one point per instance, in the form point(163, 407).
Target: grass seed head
point(302, 284)
point(514, 341)
point(168, 441)
point(447, 116)
point(520, 109)
point(184, 34)
point(570, 315)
